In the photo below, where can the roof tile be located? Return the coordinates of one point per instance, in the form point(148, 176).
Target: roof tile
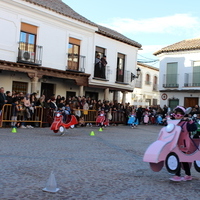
point(185, 45)
point(61, 8)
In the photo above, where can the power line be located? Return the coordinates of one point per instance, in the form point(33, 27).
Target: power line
point(147, 60)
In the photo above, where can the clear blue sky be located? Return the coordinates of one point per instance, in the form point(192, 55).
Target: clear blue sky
point(152, 23)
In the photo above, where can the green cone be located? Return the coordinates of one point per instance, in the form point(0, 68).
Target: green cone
point(92, 133)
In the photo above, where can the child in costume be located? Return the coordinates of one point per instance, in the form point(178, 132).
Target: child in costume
point(100, 119)
point(146, 117)
point(159, 120)
point(81, 121)
point(108, 117)
point(15, 111)
point(133, 121)
point(184, 142)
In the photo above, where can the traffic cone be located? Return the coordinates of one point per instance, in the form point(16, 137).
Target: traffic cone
point(14, 130)
point(92, 133)
point(100, 129)
point(51, 184)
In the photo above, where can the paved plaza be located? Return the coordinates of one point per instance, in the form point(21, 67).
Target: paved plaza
point(107, 166)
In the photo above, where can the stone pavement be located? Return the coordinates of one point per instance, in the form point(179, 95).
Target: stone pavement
point(107, 166)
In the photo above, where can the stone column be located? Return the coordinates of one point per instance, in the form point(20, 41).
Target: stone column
point(34, 83)
point(106, 94)
point(124, 97)
point(81, 90)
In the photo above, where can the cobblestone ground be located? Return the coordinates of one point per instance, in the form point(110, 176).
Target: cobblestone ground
point(107, 166)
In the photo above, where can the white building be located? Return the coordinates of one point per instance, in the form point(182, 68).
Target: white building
point(180, 73)
point(146, 87)
point(48, 48)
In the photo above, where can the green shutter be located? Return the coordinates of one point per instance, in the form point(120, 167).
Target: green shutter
point(171, 76)
point(196, 76)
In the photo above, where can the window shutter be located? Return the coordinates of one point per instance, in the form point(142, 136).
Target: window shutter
point(28, 28)
point(74, 41)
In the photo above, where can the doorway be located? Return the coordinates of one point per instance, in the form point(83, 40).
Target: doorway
point(70, 94)
point(173, 103)
point(92, 95)
point(47, 89)
point(191, 101)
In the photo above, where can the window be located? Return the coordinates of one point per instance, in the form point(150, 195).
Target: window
point(73, 54)
point(99, 70)
point(155, 102)
point(19, 87)
point(196, 73)
point(28, 37)
point(171, 75)
point(120, 67)
point(27, 43)
point(155, 83)
point(101, 51)
point(147, 81)
point(155, 80)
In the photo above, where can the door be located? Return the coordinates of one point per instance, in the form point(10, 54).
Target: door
point(70, 94)
point(191, 101)
point(92, 95)
point(47, 89)
point(173, 103)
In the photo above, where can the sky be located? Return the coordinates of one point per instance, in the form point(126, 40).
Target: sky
point(153, 23)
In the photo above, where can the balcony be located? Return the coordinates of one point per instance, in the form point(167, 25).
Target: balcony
point(102, 75)
point(75, 62)
point(29, 53)
point(147, 83)
point(192, 79)
point(123, 77)
point(170, 81)
point(155, 87)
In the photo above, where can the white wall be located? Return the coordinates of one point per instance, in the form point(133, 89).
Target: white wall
point(185, 65)
point(113, 47)
point(53, 34)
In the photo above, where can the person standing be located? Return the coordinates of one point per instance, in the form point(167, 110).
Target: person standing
point(2, 98)
point(184, 142)
point(103, 67)
point(139, 113)
point(97, 69)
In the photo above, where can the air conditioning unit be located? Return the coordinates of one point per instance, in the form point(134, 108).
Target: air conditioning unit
point(27, 56)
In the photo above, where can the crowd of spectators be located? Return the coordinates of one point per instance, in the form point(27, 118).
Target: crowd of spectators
point(25, 103)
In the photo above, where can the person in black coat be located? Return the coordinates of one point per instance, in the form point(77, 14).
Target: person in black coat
point(97, 68)
point(103, 67)
point(2, 98)
point(9, 97)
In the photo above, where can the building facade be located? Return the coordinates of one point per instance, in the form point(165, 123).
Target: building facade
point(48, 48)
point(146, 91)
point(180, 73)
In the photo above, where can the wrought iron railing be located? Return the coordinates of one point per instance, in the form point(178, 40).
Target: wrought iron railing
point(102, 77)
point(170, 80)
point(192, 79)
point(29, 53)
point(155, 87)
point(147, 82)
point(123, 76)
point(75, 62)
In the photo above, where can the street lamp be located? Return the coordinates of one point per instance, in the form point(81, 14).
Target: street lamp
point(133, 76)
